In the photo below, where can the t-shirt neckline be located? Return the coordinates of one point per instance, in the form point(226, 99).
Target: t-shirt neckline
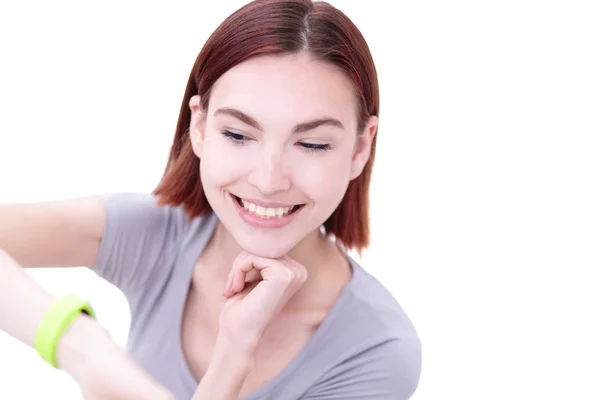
point(188, 266)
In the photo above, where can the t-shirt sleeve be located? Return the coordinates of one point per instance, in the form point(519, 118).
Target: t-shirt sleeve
point(137, 234)
point(388, 371)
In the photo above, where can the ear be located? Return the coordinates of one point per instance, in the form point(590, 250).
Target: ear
point(197, 125)
point(362, 150)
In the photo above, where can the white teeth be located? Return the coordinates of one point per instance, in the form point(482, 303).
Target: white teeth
point(266, 212)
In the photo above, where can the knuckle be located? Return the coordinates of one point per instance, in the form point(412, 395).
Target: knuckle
point(303, 275)
point(301, 272)
point(286, 276)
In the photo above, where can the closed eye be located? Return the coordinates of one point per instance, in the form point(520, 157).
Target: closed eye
point(315, 146)
point(239, 139)
point(236, 138)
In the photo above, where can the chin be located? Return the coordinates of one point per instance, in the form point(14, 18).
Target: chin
point(265, 248)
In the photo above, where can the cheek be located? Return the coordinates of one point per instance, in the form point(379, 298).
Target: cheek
point(324, 181)
point(216, 168)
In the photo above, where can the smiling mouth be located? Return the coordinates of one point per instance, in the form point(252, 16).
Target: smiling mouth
point(267, 212)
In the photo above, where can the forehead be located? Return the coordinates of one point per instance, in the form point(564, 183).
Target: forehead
point(285, 90)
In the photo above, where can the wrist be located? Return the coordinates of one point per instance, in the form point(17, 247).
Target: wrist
point(226, 374)
point(231, 341)
point(239, 355)
point(227, 371)
point(80, 342)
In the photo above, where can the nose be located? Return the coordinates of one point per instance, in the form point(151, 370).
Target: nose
point(269, 174)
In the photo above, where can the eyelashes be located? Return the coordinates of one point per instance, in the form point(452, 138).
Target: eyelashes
point(315, 147)
point(236, 138)
point(240, 140)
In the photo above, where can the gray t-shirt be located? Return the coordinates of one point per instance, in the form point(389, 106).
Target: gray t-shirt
point(366, 348)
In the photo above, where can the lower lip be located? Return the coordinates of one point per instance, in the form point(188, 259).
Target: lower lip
point(259, 222)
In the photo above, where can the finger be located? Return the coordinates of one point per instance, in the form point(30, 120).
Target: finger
point(227, 288)
point(230, 287)
point(243, 266)
point(300, 270)
point(246, 262)
point(260, 264)
point(284, 270)
point(238, 281)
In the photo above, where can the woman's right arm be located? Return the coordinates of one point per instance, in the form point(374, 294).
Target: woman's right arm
point(62, 234)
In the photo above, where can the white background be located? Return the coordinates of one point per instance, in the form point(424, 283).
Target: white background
point(485, 200)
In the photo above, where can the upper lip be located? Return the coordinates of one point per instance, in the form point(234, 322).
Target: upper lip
point(268, 204)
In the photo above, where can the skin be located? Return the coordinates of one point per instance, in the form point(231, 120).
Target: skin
point(279, 92)
point(254, 291)
point(292, 275)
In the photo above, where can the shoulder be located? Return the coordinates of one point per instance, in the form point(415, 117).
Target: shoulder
point(141, 208)
point(382, 369)
point(141, 238)
point(378, 350)
point(368, 300)
point(140, 216)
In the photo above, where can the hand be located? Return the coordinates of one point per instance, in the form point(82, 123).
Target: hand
point(101, 368)
point(246, 313)
point(248, 310)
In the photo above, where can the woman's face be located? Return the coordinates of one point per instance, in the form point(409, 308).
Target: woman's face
point(278, 147)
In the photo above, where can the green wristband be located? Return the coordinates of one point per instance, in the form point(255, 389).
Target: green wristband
point(58, 318)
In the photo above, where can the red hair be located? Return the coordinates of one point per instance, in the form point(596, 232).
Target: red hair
point(265, 27)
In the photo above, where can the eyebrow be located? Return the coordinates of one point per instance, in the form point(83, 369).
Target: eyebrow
point(301, 127)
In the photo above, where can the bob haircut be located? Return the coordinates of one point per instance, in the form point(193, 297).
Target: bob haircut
point(269, 27)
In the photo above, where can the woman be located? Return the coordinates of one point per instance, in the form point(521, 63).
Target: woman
point(236, 287)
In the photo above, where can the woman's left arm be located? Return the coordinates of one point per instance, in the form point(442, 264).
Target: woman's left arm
point(244, 317)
